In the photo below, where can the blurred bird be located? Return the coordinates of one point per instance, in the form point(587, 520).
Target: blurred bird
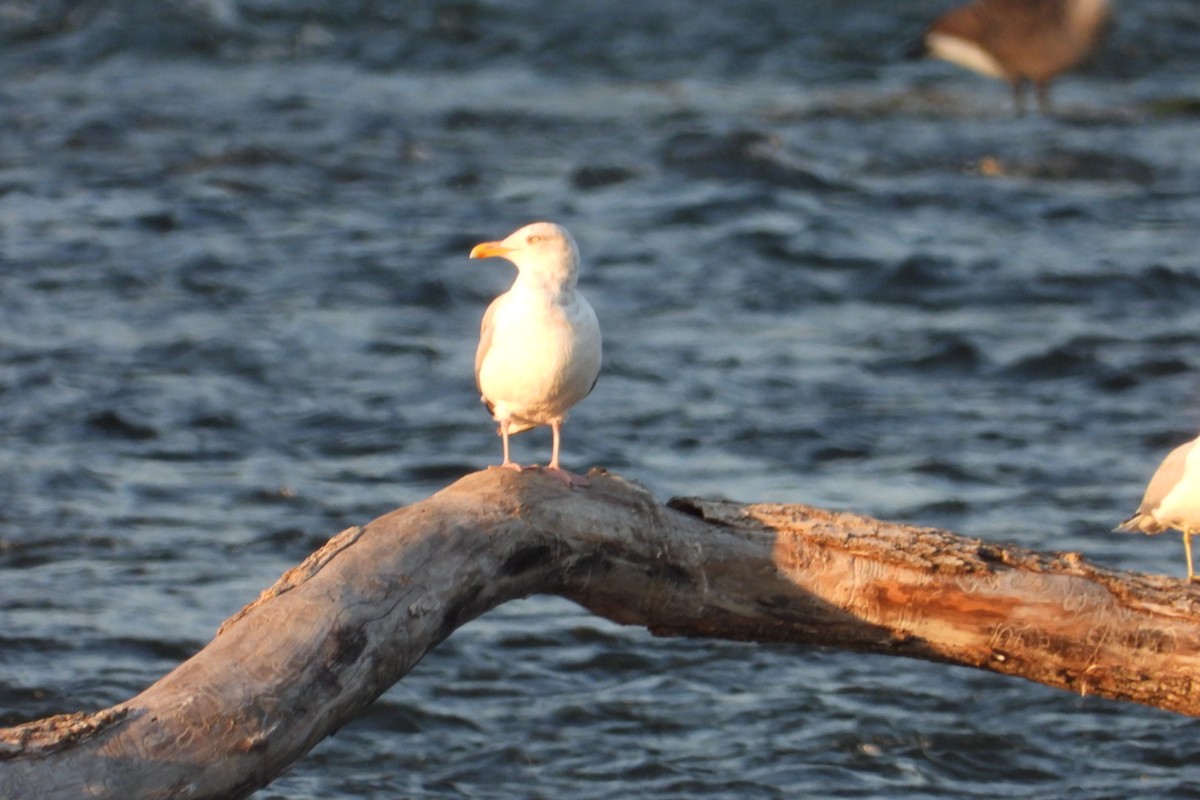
point(539, 345)
point(1020, 41)
point(1172, 499)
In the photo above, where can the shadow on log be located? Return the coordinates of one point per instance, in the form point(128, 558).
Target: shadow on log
point(336, 631)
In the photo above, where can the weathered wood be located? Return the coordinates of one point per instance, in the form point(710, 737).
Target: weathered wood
point(342, 627)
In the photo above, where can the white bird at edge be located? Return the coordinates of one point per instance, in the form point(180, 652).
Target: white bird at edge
point(1172, 499)
point(539, 344)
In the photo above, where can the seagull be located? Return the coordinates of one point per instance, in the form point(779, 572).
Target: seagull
point(1018, 41)
point(1172, 499)
point(539, 344)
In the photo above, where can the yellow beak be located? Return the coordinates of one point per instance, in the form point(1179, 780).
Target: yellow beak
point(489, 249)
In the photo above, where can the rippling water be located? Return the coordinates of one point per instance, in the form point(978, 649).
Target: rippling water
point(236, 316)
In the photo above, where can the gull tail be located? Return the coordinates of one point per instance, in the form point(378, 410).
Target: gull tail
point(517, 427)
point(1128, 526)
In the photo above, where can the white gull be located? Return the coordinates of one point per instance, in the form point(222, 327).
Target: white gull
point(539, 344)
point(1172, 499)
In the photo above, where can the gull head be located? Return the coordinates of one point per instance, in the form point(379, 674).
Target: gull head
point(542, 251)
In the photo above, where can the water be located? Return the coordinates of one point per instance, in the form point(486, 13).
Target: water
point(237, 317)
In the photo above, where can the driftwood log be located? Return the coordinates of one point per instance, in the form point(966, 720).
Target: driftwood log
point(340, 628)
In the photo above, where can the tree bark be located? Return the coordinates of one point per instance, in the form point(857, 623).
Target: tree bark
point(340, 628)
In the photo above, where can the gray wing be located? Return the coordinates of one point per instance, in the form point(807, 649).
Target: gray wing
point(595, 325)
point(486, 329)
point(485, 337)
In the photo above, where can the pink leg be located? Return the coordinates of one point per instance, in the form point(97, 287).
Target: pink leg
point(555, 430)
point(1187, 549)
point(554, 469)
point(508, 463)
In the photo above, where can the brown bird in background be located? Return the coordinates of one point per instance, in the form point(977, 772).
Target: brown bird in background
point(1019, 41)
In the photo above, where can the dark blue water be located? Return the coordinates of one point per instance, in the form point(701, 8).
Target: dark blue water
point(236, 316)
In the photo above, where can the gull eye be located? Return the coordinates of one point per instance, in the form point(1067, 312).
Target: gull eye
point(534, 238)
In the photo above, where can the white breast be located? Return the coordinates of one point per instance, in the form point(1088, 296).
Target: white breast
point(543, 356)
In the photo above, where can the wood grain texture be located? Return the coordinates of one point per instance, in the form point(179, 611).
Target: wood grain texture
point(339, 629)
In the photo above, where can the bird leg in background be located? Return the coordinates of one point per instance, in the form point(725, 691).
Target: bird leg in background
point(1042, 88)
point(1018, 96)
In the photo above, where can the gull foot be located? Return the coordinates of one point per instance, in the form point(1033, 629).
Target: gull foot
point(508, 465)
point(570, 478)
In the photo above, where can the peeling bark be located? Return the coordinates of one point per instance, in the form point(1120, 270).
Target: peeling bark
point(340, 628)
